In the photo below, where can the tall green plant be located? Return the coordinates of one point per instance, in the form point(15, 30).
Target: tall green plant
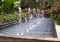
point(17, 4)
point(8, 6)
point(1, 7)
point(28, 3)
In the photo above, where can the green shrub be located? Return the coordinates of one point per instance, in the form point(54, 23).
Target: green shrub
point(58, 22)
point(25, 15)
point(28, 3)
point(8, 6)
point(8, 18)
point(7, 9)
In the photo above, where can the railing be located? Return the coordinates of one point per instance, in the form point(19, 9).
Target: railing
point(8, 37)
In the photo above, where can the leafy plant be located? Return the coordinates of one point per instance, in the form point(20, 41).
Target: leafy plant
point(8, 18)
point(25, 15)
point(58, 22)
point(28, 3)
point(8, 11)
point(8, 6)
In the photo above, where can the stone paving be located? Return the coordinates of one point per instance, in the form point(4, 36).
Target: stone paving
point(42, 27)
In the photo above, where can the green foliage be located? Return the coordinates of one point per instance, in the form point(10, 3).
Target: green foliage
point(48, 4)
point(17, 4)
point(8, 11)
point(1, 6)
point(58, 22)
point(8, 18)
point(25, 15)
point(28, 3)
point(8, 6)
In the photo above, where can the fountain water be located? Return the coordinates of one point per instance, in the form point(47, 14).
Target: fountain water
point(42, 11)
point(25, 19)
point(34, 12)
point(38, 12)
point(20, 12)
point(31, 16)
point(29, 12)
point(33, 25)
point(21, 33)
point(27, 30)
point(18, 34)
point(30, 28)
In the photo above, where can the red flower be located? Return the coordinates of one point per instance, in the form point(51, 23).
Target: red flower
point(1, 23)
point(46, 12)
point(51, 4)
point(58, 9)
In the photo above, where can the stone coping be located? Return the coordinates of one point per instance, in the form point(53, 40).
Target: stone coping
point(28, 37)
point(8, 24)
point(58, 30)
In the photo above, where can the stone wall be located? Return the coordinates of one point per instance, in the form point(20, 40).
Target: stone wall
point(15, 38)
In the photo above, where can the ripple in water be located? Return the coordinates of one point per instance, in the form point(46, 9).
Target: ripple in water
point(31, 17)
point(22, 33)
point(30, 28)
point(18, 34)
point(27, 30)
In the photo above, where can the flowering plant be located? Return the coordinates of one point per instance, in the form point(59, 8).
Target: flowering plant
point(58, 9)
point(46, 12)
point(1, 23)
